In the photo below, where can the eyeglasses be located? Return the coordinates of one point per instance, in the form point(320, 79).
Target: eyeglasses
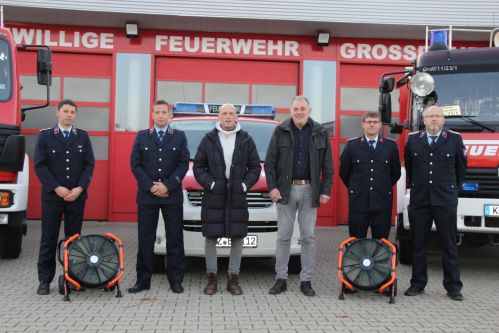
point(434, 116)
point(372, 122)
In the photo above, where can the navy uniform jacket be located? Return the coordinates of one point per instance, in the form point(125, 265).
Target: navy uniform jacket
point(368, 176)
point(166, 161)
point(63, 162)
point(434, 174)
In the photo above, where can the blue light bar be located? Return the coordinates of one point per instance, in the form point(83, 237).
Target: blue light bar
point(438, 40)
point(188, 107)
point(470, 186)
point(213, 108)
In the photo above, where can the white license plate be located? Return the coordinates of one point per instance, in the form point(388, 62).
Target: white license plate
point(249, 241)
point(491, 210)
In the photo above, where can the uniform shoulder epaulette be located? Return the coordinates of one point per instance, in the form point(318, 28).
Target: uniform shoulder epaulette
point(454, 132)
point(390, 139)
point(412, 133)
point(45, 129)
point(353, 138)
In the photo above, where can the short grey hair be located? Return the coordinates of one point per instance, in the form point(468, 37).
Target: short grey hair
point(301, 98)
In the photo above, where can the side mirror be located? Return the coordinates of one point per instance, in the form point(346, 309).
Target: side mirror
point(386, 85)
point(396, 129)
point(385, 107)
point(44, 66)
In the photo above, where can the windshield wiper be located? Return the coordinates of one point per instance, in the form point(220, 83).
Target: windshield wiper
point(472, 121)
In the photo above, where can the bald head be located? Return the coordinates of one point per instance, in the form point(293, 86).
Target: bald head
point(227, 116)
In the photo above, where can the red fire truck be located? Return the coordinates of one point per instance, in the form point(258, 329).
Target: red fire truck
point(14, 170)
point(465, 83)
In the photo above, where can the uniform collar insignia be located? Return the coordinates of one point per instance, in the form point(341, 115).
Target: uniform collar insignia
point(444, 134)
point(362, 139)
point(56, 130)
point(422, 134)
point(151, 130)
point(170, 130)
point(380, 139)
point(74, 131)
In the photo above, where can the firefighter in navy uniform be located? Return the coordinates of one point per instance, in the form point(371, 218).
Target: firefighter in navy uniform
point(369, 167)
point(159, 162)
point(435, 162)
point(64, 163)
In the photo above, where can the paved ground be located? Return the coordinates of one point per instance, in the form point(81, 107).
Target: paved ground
point(160, 310)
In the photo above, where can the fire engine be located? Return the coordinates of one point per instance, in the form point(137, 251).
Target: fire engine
point(14, 167)
point(196, 119)
point(465, 83)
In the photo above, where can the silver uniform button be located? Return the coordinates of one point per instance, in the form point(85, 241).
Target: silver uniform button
point(357, 160)
point(159, 169)
point(53, 151)
point(431, 172)
point(67, 151)
point(351, 191)
point(448, 155)
point(431, 163)
point(159, 159)
point(67, 160)
point(159, 149)
point(67, 177)
point(372, 161)
point(372, 170)
point(370, 179)
point(370, 188)
point(67, 168)
point(431, 182)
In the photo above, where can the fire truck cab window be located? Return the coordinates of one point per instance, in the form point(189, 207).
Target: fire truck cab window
point(5, 71)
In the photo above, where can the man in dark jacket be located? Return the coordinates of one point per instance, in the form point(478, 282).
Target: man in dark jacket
point(159, 162)
point(227, 166)
point(435, 162)
point(369, 167)
point(64, 163)
point(299, 154)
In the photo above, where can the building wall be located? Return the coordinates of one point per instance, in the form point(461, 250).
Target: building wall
point(424, 12)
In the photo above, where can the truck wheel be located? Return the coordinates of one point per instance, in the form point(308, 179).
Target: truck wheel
point(294, 265)
point(11, 242)
point(158, 265)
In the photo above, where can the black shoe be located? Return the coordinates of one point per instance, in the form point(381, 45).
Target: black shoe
point(43, 288)
point(455, 296)
point(306, 288)
point(414, 291)
point(138, 287)
point(279, 286)
point(177, 288)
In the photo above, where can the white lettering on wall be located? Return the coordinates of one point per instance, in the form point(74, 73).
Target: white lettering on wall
point(62, 38)
point(237, 46)
point(395, 52)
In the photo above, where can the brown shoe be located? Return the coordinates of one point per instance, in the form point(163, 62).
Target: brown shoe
point(233, 285)
point(212, 286)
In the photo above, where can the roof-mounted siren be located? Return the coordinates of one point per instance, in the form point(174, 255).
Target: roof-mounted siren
point(185, 109)
point(439, 40)
point(254, 110)
point(199, 109)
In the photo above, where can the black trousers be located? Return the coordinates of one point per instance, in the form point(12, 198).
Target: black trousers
point(359, 222)
point(52, 212)
point(147, 224)
point(420, 219)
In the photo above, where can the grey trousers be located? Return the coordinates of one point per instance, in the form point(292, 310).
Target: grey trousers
point(299, 206)
point(210, 253)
